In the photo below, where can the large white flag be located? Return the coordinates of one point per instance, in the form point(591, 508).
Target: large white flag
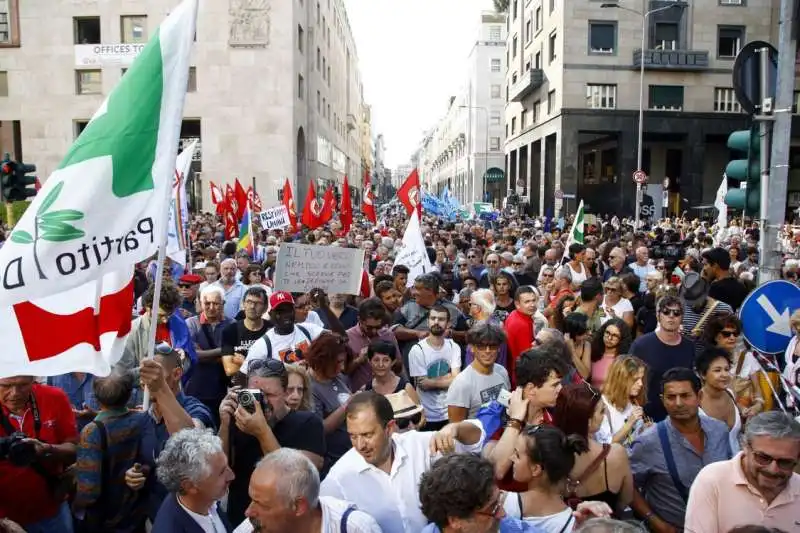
point(67, 266)
point(719, 203)
point(178, 228)
point(413, 253)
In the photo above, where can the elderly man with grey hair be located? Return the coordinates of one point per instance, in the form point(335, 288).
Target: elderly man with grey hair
point(195, 471)
point(759, 485)
point(232, 287)
point(284, 490)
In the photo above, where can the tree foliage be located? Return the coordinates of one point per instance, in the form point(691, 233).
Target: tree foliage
point(501, 6)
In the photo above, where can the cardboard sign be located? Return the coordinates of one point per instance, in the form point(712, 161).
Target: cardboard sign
point(274, 218)
point(302, 267)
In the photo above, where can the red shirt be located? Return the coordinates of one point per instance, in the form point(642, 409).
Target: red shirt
point(519, 331)
point(24, 495)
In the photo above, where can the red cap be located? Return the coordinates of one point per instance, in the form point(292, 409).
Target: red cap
point(280, 297)
point(190, 278)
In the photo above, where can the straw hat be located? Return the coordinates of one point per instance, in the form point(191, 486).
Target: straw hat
point(402, 405)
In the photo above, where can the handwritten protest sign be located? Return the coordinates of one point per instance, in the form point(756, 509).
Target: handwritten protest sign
point(302, 267)
point(274, 218)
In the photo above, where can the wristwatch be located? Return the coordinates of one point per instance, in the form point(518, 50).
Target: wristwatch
point(515, 423)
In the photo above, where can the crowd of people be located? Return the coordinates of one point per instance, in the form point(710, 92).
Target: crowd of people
point(525, 383)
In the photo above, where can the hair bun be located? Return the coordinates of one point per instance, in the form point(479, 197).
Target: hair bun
point(576, 444)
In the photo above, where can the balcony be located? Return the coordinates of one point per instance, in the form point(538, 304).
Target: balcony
point(352, 123)
point(665, 57)
point(528, 82)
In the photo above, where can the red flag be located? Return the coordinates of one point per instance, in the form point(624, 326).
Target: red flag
point(257, 205)
point(231, 224)
point(346, 209)
point(217, 198)
point(230, 199)
point(368, 203)
point(241, 200)
point(328, 207)
point(311, 209)
point(408, 194)
point(288, 201)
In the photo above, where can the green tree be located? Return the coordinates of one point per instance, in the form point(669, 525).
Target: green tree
point(501, 6)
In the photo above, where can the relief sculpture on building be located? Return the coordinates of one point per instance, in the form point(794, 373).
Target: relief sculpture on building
point(249, 23)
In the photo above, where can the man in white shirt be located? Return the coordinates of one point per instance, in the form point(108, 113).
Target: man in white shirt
point(285, 497)
point(381, 473)
point(433, 364)
point(286, 341)
point(642, 267)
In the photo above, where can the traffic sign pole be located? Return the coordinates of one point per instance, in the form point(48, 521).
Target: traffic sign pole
point(765, 134)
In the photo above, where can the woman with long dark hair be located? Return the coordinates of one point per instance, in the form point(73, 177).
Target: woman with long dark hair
point(611, 340)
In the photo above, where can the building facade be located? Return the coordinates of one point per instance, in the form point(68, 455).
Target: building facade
point(464, 151)
point(274, 88)
point(572, 92)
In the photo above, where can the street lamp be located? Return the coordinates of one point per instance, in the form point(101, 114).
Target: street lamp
point(485, 150)
point(639, 148)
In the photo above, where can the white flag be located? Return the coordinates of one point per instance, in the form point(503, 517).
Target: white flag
point(67, 293)
point(178, 228)
point(719, 203)
point(413, 253)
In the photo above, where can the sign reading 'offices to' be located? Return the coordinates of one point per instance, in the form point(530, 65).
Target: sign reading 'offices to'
point(117, 54)
point(302, 267)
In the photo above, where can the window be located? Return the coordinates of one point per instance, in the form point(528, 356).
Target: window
point(301, 86)
point(79, 126)
point(328, 111)
point(552, 5)
point(319, 55)
point(528, 31)
point(494, 143)
point(513, 125)
point(324, 69)
point(494, 120)
point(514, 47)
point(495, 33)
point(329, 75)
point(551, 102)
point(495, 65)
point(601, 96)
point(318, 14)
point(191, 84)
point(527, 65)
point(122, 72)
point(551, 43)
point(319, 100)
point(665, 36)
point(300, 38)
point(324, 100)
point(537, 63)
point(133, 28)
point(3, 83)
point(602, 37)
point(523, 120)
point(515, 5)
point(666, 97)
point(725, 101)
point(88, 82)
point(729, 41)
point(537, 111)
point(87, 30)
point(496, 91)
point(5, 22)
point(538, 19)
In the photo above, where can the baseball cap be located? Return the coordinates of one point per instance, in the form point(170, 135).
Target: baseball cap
point(279, 298)
point(191, 279)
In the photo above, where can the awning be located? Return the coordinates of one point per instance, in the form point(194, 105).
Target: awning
point(494, 174)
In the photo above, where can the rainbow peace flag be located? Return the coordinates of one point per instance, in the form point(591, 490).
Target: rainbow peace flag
point(245, 240)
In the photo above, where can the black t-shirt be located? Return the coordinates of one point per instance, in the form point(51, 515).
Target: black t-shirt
point(237, 339)
point(659, 358)
point(301, 430)
point(728, 290)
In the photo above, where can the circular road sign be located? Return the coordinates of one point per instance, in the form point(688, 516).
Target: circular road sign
point(747, 75)
point(640, 177)
point(559, 194)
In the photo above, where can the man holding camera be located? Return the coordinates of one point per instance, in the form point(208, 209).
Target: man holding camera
point(38, 436)
point(255, 422)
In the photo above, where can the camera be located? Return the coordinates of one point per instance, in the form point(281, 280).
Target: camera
point(248, 398)
point(16, 450)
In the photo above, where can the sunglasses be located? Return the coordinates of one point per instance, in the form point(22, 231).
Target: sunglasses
point(275, 368)
point(728, 333)
point(183, 285)
point(763, 459)
point(672, 312)
point(547, 275)
point(404, 422)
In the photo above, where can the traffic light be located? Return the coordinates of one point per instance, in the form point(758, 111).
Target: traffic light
point(15, 181)
point(745, 170)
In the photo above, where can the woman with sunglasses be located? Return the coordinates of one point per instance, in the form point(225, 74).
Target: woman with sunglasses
point(614, 304)
point(603, 473)
point(624, 395)
point(611, 340)
point(543, 458)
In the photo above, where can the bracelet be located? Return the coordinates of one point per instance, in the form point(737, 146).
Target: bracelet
point(515, 423)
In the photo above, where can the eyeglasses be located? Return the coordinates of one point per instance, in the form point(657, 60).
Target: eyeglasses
point(611, 334)
point(672, 312)
point(763, 459)
point(728, 333)
point(492, 262)
point(275, 368)
point(494, 508)
point(404, 422)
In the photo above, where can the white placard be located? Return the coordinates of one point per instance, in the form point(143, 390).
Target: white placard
point(274, 218)
point(302, 267)
point(117, 54)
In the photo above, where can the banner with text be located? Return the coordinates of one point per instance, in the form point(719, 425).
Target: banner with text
point(302, 267)
point(274, 218)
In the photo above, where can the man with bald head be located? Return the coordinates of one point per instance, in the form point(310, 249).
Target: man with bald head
point(616, 264)
point(234, 289)
point(642, 267)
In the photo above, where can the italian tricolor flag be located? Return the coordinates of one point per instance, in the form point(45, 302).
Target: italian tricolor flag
point(66, 295)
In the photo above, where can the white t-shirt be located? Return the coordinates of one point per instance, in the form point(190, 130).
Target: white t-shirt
point(427, 362)
point(562, 521)
point(577, 277)
point(621, 307)
point(332, 511)
point(283, 345)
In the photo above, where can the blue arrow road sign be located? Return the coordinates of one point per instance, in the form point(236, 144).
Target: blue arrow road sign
point(765, 316)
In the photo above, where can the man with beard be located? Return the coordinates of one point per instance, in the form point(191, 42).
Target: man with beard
point(758, 482)
point(284, 491)
point(286, 341)
point(667, 456)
